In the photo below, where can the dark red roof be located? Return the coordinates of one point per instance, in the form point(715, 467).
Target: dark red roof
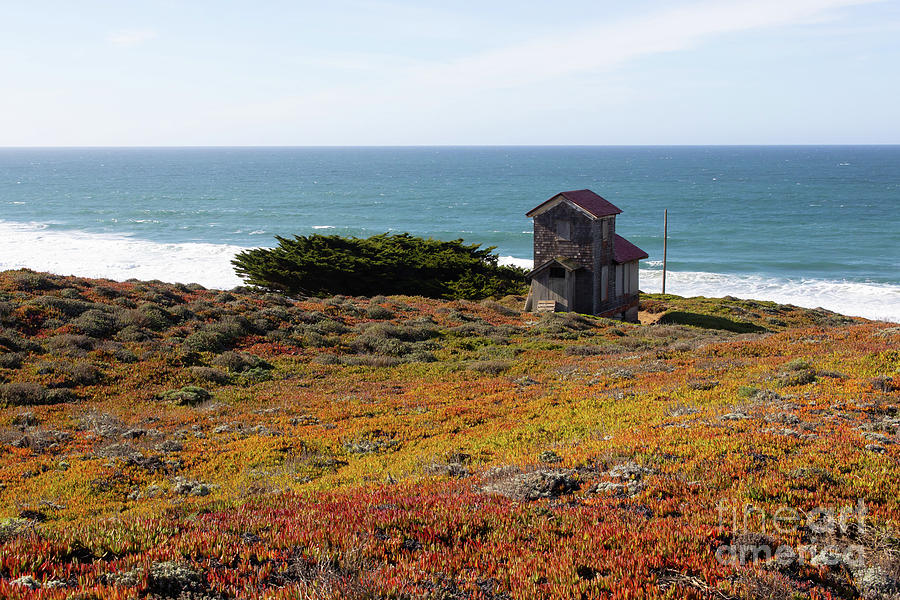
point(586, 199)
point(625, 251)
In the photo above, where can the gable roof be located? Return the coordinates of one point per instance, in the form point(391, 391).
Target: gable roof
point(624, 251)
point(586, 200)
point(567, 263)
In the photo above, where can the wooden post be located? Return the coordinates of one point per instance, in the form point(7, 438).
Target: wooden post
point(665, 236)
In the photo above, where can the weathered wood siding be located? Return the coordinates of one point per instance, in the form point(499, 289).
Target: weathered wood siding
point(548, 245)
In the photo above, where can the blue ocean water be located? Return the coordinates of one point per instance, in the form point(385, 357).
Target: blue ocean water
point(810, 225)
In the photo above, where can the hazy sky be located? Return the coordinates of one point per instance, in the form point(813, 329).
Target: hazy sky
point(360, 72)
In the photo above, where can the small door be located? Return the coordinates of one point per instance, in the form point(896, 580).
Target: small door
point(558, 287)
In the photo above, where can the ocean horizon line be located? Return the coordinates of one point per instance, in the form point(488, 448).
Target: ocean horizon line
point(419, 146)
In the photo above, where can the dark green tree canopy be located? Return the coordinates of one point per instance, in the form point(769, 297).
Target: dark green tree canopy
point(323, 265)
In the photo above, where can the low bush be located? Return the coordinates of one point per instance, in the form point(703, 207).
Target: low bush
point(388, 339)
point(330, 327)
point(189, 395)
point(32, 394)
point(22, 394)
point(133, 333)
point(26, 280)
point(11, 360)
point(564, 325)
point(204, 341)
point(148, 316)
point(96, 323)
point(237, 362)
point(69, 373)
point(209, 374)
point(66, 306)
point(490, 367)
point(379, 312)
point(801, 377)
point(10, 340)
point(584, 350)
point(71, 344)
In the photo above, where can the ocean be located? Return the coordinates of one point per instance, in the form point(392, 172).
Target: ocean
point(807, 225)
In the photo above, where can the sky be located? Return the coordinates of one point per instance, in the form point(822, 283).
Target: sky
point(372, 72)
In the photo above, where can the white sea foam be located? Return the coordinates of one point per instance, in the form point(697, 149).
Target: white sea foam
point(512, 261)
point(879, 301)
point(119, 257)
point(116, 257)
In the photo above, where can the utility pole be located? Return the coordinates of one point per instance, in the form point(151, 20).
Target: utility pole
point(665, 237)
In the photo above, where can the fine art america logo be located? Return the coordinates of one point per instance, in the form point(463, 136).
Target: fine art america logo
point(752, 528)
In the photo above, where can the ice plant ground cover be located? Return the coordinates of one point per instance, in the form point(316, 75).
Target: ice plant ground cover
point(169, 441)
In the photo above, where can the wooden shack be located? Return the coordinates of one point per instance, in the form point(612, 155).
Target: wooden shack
point(580, 263)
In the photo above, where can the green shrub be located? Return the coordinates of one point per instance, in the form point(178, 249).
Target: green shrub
point(204, 341)
point(472, 329)
point(107, 292)
point(26, 280)
point(66, 306)
point(388, 339)
point(798, 364)
point(379, 312)
point(96, 323)
point(231, 328)
point(389, 264)
point(182, 313)
point(801, 377)
point(150, 316)
point(270, 318)
point(6, 309)
point(189, 395)
point(237, 362)
point(254, 375)
point(564, 325)
point(330, 327)
point(747, 391)
point(133, 333)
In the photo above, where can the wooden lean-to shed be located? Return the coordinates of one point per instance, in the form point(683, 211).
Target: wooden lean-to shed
point(580, 263)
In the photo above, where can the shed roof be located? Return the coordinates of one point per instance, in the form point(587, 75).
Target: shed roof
point(587, 200)
point(625, 251)
point(567, 263)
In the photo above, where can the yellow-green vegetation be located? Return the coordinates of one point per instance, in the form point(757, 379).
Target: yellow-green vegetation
point(174, 442)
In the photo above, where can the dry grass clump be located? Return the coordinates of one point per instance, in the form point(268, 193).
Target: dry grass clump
point(489, 367)
point(70, 344)
point(68, 373)
point(33, 394)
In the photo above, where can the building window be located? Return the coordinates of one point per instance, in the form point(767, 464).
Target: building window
point(620, 271)
point(557, 272)
point(564, 230)
point(604, 284)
